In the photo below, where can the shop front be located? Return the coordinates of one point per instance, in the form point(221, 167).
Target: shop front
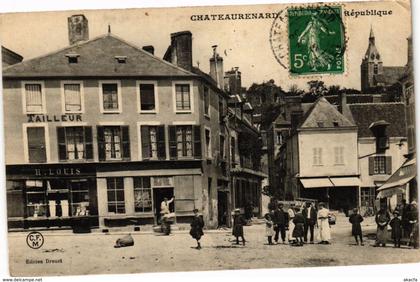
point(51, 196)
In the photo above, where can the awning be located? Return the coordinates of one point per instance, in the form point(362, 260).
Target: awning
point(396, 183)
point(316, 182)
point(330, 182)
point(345, 181)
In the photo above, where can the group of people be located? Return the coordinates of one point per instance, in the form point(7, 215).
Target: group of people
point(299, 221)
point(404, 224)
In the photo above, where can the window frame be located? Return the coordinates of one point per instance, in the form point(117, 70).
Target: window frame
point(155, 84)
point(149, 123)
point(116, 203)
point(43, 99)
point(26, 143)
point(174, 84)
point(339, 155)
point(207, 111)
point(101, 98)
point(63, 97)
point(376, 164)
point(143, 188)
point(317, 154)
point(208, 148)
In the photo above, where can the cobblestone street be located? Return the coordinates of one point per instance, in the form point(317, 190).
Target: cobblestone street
point(153, 253)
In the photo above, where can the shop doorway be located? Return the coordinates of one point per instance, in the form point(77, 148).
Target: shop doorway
point(159, 194)
point(222, 208)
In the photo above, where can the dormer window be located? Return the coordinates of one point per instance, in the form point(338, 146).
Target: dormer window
point(73, 58)
point(121, 59)
point(320, 123)
point(335, 123)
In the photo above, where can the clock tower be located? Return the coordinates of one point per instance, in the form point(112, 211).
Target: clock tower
point(371, 65)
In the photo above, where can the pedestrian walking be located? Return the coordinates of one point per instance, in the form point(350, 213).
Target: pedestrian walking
point(413, 219)
point(299, 222)
point(323, 225)
point(291, 215)
point(197, 225)
point(280, 220)
point(269, 228)
point(238, 226)
point(382, 219)
point(309, 213)
point(396, 232)
point(356, 228)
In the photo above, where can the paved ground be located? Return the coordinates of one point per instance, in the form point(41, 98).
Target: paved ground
point(94, 253)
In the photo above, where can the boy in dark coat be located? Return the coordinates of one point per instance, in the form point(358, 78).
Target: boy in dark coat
point(356, 229)
point(238, 226)
point(396, 232)
point(197, 225)
point(298, 231)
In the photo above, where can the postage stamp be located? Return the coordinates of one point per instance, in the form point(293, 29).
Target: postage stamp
point(316, 40)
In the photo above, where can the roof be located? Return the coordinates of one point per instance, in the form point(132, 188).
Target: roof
point(96, 58)
point(355, 98)
point(281, 120)
point(366, 114)
point(390, 75)
point(324, 115)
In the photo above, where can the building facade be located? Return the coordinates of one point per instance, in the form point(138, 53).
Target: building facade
point(103, 131)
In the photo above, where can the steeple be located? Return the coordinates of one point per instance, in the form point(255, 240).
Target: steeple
point(372, 53)
point(371, 36)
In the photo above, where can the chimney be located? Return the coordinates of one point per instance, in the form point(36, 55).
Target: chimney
point(181, 49)
point(342, 102)
point(78, 29)
point(216, 68)
point(234, 81)
point(149, 48)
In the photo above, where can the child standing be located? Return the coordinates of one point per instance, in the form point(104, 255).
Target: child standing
point(299, 222)
point(269, 228)
point(396, 232)
point(356, 228)
point(197, 225)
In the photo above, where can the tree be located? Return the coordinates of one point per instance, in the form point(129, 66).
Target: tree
point(294, 90)
point(317, 88)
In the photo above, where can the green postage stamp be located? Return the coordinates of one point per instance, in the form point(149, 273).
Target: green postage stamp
point(316, 40)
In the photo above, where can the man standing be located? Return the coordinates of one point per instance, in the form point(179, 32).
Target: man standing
point(309, 213)
point(280, 221)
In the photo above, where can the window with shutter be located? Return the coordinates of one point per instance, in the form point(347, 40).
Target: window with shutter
point(61, 137)
point(161, 146)
point(371, 165)
point(34, 100)
point(126, 152)
point(75, 143)
point(379, 165)
point(37, 152)
point(110, 96)
point(72, 97)
point(208, 143)
point(88, 143)
point(182, 97)
point(101, 143)
point(145, 142)
point(173, 153)
point(388, 165)
point(206, 98)
point(197, 141)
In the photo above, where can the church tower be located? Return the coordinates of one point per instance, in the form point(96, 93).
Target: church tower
point(371, 65)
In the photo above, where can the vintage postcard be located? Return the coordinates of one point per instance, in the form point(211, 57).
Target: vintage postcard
point(209, 138)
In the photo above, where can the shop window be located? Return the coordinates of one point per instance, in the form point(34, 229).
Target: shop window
point(142, 194)
point(206, 98)
point(79, 205)
point(113, 143)
point(37, 151)
point(33, 98)
point(36, 199)
point(184, 141)
point(115, 191)
point(72, 97)
point(147, 97)
point(15, 198)
point(75, 143)
point(183, 97)
point(153, 142)
point(380, 165)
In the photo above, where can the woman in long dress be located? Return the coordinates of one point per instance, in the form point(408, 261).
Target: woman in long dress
point(382, 219)
point(291, 214)
point(197, 225)
point(323, 225)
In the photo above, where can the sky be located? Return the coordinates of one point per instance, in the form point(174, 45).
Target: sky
point(242, 43)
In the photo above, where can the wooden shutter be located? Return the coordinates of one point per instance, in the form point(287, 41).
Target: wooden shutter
point(88, 142)
point(145, 142)
point(388, 165)
point(101, 143)
point(371, 165)
point(197, 141)
point(61, 138)
point(172, 142)
point(161, 146)
point(126, 153)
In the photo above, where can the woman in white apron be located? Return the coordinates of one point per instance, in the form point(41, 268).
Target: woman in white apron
point(323, 225)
